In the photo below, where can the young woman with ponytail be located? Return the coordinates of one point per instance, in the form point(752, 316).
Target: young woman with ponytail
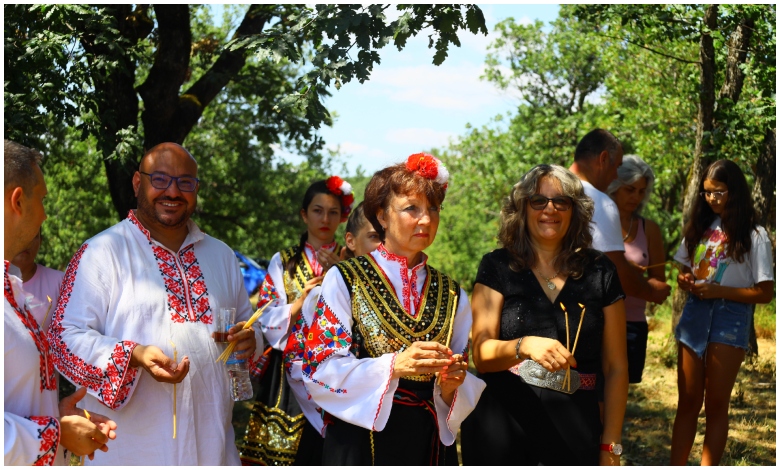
point(278, 433)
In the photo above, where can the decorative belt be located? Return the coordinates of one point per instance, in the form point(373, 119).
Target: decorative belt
point(533, 373)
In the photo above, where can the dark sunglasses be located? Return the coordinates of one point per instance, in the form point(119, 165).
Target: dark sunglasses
point(185, 184)
point(539, 202)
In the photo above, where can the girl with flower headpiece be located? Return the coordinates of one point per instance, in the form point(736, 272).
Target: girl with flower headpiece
point(278, 433)
point(385, 357)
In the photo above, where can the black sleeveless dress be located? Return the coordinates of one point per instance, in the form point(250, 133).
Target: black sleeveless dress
point(519, 424)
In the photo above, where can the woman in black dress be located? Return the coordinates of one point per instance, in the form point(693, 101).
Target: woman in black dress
point(524, 293)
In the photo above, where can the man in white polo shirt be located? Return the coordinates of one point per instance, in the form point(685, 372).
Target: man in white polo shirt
point(596, 160)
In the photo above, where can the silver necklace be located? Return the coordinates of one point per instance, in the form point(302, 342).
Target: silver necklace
point(550, 285)
point(630, 226)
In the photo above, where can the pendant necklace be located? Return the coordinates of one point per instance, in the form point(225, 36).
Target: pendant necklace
point(630, 226)
point(550, 284)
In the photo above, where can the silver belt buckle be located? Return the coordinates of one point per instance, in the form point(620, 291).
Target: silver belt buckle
point(533, 373)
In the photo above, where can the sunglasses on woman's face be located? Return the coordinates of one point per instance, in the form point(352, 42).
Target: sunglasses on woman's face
point(539, 202)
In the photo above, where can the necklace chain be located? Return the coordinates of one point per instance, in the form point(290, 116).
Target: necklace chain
point(630, 226)
point(550, 284)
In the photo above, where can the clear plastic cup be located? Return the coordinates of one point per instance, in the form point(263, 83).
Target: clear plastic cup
point(225, 318)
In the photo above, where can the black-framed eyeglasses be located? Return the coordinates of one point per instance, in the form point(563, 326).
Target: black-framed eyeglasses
point(539, 202)
point(713, 194)
point(185, 184)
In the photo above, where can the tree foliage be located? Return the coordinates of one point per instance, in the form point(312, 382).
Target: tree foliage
point(133, 76)
point(632, 69)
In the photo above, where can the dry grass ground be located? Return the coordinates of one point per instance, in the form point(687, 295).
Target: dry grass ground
point(651, 406)
point(647, 432)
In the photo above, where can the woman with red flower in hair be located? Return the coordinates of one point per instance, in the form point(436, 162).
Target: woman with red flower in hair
point(385, 356)
point(278, 433)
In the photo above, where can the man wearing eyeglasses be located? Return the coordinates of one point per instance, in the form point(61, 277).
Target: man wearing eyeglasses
point(596, 160)
point(140, 294)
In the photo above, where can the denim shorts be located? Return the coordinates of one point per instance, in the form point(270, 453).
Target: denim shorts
point(714, 321)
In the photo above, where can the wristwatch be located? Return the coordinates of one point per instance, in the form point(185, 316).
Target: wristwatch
point(613, 448)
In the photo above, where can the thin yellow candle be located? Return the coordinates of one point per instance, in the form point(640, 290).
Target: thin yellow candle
point(582, 315)
point(567, 379)
point(645, 268)
point(86, 413)
point(175, 359)
point(43, 323)
point(232, 346)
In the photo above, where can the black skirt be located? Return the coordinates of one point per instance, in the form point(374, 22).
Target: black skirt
point(519, 424)
point(410, 437)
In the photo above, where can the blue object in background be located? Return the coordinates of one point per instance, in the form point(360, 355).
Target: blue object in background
point(253, 273)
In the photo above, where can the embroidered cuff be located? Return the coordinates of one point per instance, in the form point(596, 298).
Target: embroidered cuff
point(119, 379)
point(49, 435)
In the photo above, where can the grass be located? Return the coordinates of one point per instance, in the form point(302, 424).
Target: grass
point(650, 412)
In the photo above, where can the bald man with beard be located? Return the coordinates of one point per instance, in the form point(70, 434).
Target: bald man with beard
point(129, 295)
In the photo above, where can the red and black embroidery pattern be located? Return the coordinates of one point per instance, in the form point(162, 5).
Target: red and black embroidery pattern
point(409, 294)
point(295, 343)
point(48, 381)
point(325, 337)
point(188, 299)
point(114, 384)
point(49, 435)
point(267, 292)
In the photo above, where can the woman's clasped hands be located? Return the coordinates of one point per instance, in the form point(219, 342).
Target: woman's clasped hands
point(547, 352)
point(430, 357)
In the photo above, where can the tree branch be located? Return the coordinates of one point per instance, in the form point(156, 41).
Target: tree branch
point(191, 104)
point(654, 51)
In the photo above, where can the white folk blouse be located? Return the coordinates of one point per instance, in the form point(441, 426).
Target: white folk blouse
point(123, 288)
point(31, 426)
point(360, 391)
point(275, 322)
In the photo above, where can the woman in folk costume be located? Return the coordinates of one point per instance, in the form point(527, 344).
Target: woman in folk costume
point(278, 433)
point(385, 356)
point(360, 239)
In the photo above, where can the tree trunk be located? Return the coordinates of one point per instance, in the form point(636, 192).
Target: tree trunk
point(764, 196)
point(702, 155)
point(119, 102)
point(729, 96)
point(168, 114)
point(738, 47)
point(764, 199)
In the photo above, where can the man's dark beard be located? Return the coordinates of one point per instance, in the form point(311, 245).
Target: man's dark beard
point(148, 212)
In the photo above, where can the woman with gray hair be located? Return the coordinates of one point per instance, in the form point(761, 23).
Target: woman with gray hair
point(548, 317)
point(644, 247)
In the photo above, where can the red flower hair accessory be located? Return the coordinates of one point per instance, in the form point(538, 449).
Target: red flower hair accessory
point(429, 167)
point(340, 188)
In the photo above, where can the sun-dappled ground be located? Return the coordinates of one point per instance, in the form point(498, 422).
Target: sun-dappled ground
point(647, 432)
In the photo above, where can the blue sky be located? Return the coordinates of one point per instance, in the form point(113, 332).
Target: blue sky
point(409, 104)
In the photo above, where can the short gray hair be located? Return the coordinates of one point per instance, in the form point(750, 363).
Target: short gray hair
point(19, 168)
point(631, 171)
point(513, 233)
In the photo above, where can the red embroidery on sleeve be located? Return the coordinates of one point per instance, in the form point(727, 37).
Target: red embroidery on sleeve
point(325, 337)
point(114, 384)
point(49, 435)
point(46, 363)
